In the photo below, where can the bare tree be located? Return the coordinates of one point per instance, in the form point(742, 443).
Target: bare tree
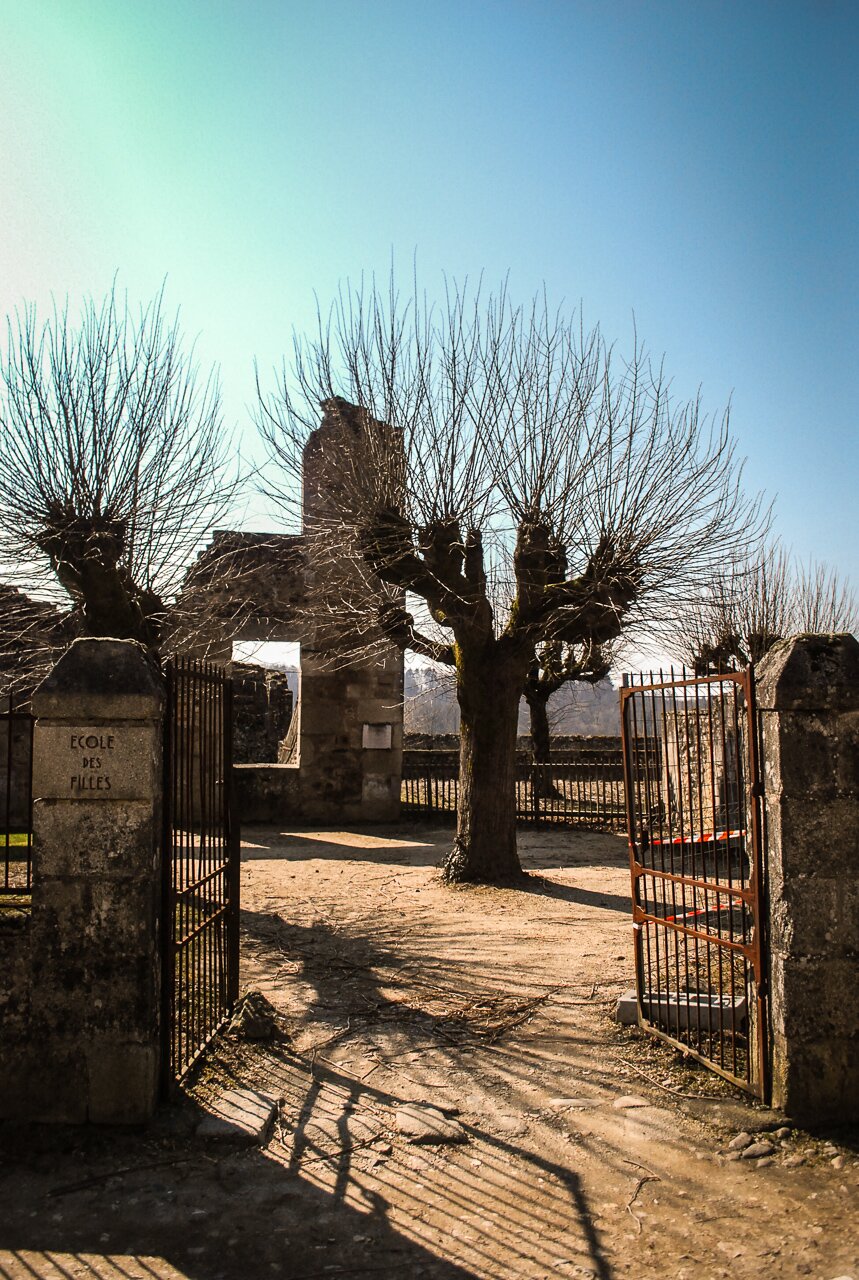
point(527, 485)
point(113, 462)
point(747, 608)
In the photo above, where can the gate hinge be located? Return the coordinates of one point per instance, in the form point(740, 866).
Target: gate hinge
point(757, 790)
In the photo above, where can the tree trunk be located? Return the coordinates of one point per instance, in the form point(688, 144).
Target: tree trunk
point(538, 703)
point(541, 744)
point(484, 852)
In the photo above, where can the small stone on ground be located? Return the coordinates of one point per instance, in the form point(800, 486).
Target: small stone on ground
point(418, 1122)
point(240, 1115)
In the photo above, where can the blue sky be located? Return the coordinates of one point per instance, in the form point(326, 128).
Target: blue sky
point(693, 164)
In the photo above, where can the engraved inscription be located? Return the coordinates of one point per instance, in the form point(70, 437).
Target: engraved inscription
point(95, 762)
point(94, 752)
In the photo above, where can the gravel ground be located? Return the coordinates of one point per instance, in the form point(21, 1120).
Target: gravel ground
point(453, 1099)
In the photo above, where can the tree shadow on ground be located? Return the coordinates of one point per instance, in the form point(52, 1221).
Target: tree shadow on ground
point(377, 844)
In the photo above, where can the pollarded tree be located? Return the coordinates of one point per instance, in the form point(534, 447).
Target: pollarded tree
point(113, 462)
point(747, 608)
point(526, 485)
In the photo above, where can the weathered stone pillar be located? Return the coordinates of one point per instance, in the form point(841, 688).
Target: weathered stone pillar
point(808, 698)
point(96, 885)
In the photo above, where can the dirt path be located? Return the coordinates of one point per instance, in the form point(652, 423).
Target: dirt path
point(570, 1147)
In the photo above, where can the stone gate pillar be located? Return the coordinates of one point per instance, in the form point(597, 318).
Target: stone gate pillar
point(808, 698)
point(96, 884)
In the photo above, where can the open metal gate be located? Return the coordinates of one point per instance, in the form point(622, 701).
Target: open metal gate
point(201, 864)
point(693, 792)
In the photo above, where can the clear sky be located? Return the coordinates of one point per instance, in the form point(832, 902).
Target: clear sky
point(692, 163)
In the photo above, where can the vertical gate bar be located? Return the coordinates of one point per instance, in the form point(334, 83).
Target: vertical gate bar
point(207, 888)
point(687, 852)
point(730, 694)
point(234, 854)
point(699, 871)
point(673, 848)
point(757, 883)
point(629, 742)
point(214, 885)
point(167, 937)
point(7, 817)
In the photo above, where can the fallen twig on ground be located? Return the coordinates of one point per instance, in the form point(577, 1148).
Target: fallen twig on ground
point(71, 1187)
point(679, 1093)
point(649, 1177)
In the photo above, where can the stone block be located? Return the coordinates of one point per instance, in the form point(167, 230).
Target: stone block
point(811, 836)
point(122, 1082)
point(810, 673)
point(820, 1086)
point(117, 841)
point(242, 1115)
point(815, 999)
point(50, 1082)
point(103, 680)
point(97, 760)
point(815, 917)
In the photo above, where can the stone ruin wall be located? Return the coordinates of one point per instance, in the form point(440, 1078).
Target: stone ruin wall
point(271, 587)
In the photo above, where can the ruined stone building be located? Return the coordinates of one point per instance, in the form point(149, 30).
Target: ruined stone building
point(341, 757)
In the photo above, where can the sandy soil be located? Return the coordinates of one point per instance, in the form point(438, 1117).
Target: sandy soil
point(572, 1147)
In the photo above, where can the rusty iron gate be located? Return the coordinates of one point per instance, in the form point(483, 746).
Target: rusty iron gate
point(200, 911)
point(692, 782)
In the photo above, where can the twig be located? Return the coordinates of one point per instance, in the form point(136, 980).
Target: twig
point(97, 1178)
point(344, 1031)
point(648, 1177)
point(336, 1156)
point(693, 1097)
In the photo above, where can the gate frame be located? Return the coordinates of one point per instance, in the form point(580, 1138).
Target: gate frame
point(172, 1071)
point(754, 895)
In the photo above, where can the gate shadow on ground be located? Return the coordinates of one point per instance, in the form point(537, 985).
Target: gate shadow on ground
point(466, 1029)
point(200, 1212)
point(359, 999)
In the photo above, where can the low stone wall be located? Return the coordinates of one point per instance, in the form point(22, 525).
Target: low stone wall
point(563, 744)
point(349, 792)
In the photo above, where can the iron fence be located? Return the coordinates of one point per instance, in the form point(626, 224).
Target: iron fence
point(581, 789)
point(16, 802)
point(201, 863)
point(696, 866)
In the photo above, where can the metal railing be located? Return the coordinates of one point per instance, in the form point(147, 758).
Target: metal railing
point(16, 803)
point(580, 789)
point(201, 863)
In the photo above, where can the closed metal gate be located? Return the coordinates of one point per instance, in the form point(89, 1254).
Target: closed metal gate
point(201, 864)
point(693, 807)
